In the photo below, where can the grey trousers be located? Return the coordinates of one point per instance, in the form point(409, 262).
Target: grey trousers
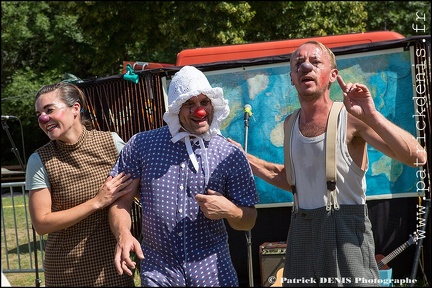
point(331, 248)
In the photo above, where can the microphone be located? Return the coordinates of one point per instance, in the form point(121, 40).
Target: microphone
point(247, 113)
point(5, 118)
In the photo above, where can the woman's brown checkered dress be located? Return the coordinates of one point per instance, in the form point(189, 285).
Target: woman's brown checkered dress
point(83, 254)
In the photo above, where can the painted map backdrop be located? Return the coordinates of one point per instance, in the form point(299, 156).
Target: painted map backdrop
point(268, 90)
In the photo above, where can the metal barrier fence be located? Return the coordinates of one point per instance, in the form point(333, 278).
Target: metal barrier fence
point(22, 248)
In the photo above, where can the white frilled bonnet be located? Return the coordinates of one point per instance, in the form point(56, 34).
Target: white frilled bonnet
point(187, 83)
point(190, 82)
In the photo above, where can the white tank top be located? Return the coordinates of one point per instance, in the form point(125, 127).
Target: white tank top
point(308, 156)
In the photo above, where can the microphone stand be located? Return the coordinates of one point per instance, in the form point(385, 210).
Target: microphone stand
point(248, 233)
point(14, 149)
point(419, 245)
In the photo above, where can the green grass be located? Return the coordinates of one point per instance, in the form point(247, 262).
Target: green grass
point(19, 256)
point(16, 230)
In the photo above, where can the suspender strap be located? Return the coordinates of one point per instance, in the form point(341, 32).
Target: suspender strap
point(287, 147)
point(331, 154)
point(331, 146)
point(287, 154)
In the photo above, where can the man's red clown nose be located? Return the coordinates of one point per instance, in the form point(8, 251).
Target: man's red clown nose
point(200, 113)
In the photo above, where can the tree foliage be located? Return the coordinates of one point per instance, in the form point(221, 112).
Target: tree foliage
point(43, 41)
point(301, 19)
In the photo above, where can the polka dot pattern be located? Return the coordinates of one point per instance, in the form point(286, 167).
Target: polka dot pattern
point(181, 246)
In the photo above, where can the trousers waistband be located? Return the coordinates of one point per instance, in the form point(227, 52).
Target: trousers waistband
point(361, 209)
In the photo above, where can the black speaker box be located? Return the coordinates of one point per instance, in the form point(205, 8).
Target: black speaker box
point(272, 260)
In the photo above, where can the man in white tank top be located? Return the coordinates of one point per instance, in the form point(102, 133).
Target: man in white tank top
point(332, 238)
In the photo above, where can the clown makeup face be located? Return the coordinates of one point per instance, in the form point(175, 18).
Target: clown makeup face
point(196, 114)
point(312, 69)
point(55, 118)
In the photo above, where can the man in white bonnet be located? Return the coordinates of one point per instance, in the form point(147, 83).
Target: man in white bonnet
point(188, 178)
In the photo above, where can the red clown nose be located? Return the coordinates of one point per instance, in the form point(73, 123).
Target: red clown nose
point(43, 119)
point(200, 113)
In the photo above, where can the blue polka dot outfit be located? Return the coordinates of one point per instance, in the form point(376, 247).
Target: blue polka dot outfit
point(181, 246)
